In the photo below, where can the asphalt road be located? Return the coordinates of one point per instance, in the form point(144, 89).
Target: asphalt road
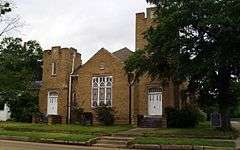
point(16, 145)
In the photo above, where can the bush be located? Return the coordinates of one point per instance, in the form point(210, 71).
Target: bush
point(105, 115)
point(186, 117)
point(202, 116)
point(76, 114)
point(23, 108)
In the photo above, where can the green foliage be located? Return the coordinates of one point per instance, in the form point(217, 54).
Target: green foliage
point(105, 115)
point(201, 116)
point(23, 108)
point(198, 41)
point(77, 114)
point(18, 63)
point(186, 117)
point(5, 8)
point(235, 109)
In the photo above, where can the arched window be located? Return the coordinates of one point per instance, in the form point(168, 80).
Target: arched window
point(53, 94)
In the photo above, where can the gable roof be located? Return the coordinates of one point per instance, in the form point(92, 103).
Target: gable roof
point(102, 50)
point(123, 54)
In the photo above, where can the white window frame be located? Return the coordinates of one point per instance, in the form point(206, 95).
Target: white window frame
point(53, 66)
point(98, 88)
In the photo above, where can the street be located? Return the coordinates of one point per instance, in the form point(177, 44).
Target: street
point(16, 145)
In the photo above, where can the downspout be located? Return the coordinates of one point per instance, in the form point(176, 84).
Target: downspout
point(70, 90)
point(131, 81)
point(130, 104)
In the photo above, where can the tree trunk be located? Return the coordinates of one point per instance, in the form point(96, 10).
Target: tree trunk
point(225, 120)
point(225, 97)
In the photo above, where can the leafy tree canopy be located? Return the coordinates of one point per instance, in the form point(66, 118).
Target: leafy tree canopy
point(197, 40)
point(18, 69)
point(4, 7)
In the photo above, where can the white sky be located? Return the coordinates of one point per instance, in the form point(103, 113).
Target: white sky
point(86, 25)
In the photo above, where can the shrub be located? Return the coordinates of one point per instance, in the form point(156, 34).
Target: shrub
point(23, 108)
point(182, 118)
point(105, 115)
point(76, 114)
point(202, 116)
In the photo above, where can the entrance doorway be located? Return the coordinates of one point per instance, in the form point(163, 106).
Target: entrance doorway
point(155, 101)
point(52, 103)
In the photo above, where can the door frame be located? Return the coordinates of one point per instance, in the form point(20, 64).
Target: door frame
point(160, 103)
point(48, 103)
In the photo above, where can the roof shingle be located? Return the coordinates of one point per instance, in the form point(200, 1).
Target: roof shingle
point(123, 53)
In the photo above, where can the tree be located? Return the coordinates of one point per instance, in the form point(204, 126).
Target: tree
point(198, 41)
point(4, 7)
point(8, 23)
point(18, 67)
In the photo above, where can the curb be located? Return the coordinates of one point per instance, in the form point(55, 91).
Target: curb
point(90, 142)
point(176, 147)
point(49, 141)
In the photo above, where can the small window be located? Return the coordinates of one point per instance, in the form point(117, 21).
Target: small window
point(74, 99)
point(53, 68)
point(2, 104)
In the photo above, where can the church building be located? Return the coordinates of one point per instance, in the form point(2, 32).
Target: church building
point(103, 80)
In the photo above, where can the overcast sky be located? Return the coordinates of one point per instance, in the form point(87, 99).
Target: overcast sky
point(86, 25)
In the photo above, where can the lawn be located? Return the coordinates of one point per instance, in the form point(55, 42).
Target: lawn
point(185, 141)
point(202, 135)
point(203, 130)
point(58, 131)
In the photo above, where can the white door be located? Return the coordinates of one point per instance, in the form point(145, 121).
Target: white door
point(154, 103)
point(52, 103)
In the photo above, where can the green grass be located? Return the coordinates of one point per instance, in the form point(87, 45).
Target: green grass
point(58, 131)
point(44, 135)
point(61, 128)
point(204, 130)
point(184, 141)
point(202, 135)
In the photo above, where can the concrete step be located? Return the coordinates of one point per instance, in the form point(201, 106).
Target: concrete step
point(123, 142)
point(152, 122)
point(110, 145)
point(116, 138)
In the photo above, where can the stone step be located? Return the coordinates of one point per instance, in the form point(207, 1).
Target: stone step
point(102, 141)
point(152, 122)
point(110, 145)
point(116, 138)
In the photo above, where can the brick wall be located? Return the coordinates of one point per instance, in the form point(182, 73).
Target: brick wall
point(112, 67)
point(142, 25)
point(63, 58)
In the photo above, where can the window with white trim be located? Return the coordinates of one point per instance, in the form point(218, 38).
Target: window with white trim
point(53, 68)
point(101, 91)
